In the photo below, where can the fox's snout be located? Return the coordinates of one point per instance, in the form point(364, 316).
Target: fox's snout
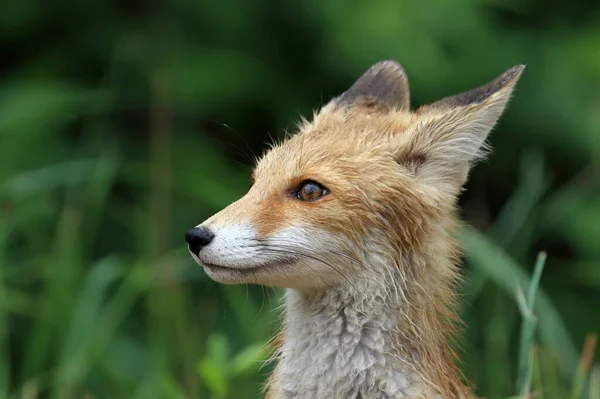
point(197, 238)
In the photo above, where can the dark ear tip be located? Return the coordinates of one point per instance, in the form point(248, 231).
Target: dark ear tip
point(505, 82)
point(513, 74)
point(389, 66)
point(384, 84)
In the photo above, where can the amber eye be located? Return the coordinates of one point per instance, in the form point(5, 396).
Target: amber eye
point(310, 191)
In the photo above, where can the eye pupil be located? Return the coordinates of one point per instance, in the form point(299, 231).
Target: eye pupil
point(310, 189)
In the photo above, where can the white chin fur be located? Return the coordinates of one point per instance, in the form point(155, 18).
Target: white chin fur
point(293, 257)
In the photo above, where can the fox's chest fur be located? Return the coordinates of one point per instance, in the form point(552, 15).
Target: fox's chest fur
point(342, 352)
point(343, 344)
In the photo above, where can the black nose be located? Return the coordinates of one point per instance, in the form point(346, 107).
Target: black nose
point(198, 237)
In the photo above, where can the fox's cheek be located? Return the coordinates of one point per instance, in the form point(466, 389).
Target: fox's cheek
point(270, 216)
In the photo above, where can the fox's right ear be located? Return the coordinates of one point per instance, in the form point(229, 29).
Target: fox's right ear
point(384, 85)
point(450, 134)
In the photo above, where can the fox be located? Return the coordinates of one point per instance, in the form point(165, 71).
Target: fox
point(355, 216)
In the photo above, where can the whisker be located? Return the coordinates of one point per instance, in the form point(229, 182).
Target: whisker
point(294, 246)
point(262, 303)
point(280, 251)
point(296, 252)
point(389, 291)
point(247, 155)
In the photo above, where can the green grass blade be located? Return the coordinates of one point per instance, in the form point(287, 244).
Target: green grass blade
point(501, 269)
point(113, 314)
point(526, 305)
point(82, 327)
point(585, 362)
point(5, 363)
point(516, 213)
point(532, 185)
point(595, 382)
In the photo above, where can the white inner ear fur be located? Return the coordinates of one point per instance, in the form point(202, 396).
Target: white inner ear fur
point(450, 140)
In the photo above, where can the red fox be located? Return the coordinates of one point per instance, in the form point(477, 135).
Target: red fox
point(355, 215)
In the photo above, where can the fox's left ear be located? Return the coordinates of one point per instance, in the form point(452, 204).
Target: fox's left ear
point(383, 86)
point(450, 134)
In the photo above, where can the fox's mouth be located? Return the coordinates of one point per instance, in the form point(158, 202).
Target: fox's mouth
point(230, 268)
point(257, 273)
point(213, 268)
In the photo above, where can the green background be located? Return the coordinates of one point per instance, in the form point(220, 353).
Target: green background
point(123, 124)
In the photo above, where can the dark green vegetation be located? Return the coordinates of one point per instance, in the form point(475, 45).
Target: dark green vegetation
point(121, 126)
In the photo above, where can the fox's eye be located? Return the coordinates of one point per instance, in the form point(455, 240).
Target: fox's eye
point(310, 191)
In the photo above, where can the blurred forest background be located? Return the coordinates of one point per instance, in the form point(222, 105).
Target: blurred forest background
point(123, 124)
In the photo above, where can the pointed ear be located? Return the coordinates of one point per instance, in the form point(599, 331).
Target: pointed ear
point(384, 85)
point(450, 134)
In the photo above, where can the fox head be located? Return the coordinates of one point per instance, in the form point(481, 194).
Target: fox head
point(366, 177)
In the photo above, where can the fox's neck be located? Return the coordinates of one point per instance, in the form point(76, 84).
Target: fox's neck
point(377, 338)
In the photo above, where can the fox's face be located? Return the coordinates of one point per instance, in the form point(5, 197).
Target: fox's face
point(366, 178)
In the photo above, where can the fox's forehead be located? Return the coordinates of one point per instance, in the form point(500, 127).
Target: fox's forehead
point(334, 138)
point(301, 157)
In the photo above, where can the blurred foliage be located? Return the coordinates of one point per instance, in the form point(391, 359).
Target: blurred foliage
point(122, 124)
